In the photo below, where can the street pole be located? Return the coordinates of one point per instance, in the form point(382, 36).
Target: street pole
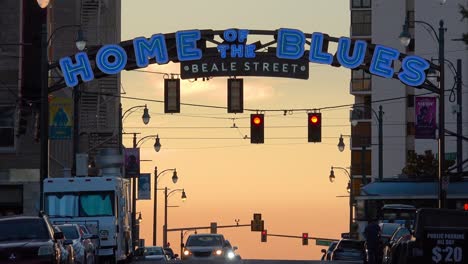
point(442, 191)
point(134, 201)
point(44, 133)
point(380, 120)
point(459, 118)
point(155, 204)
point(363, 163)
point(351, 202)
point(165, 218)
point(76, 110)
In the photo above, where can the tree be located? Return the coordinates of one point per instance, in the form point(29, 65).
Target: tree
point(464, 13)
point(423, 166)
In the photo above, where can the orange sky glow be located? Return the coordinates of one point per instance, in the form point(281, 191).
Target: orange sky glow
point(225, 177)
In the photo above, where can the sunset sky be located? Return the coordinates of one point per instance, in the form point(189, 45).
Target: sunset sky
point(285, 179)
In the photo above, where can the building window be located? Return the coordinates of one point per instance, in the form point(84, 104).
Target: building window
point(361, 22)
point(11, 200)
point(360, 80)
point(361, 4)
point(7, 128)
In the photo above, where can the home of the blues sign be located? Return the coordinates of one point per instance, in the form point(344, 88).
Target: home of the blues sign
point(234, 57)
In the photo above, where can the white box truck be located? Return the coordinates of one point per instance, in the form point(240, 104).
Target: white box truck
point(100, 203)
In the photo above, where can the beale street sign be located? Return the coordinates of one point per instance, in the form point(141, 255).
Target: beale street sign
point(234, 56)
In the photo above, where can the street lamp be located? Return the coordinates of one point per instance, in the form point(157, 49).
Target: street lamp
point(379, 118)
point(44, 99)
point(166, 195)
point(43, 3)
point(350, 190)
point(157, 144)
point(139, 218)
point(155, 204)
point(404, 36)
point(341, 147)
point(145, 117)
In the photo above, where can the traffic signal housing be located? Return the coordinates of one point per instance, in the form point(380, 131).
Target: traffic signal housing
point(305, 239)
point(264, 236)
point(314, 124)
point(257, 128)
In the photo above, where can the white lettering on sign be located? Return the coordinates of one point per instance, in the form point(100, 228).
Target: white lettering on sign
point(447, 254)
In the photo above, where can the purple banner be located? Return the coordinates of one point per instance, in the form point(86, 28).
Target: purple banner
point(425, 111)
point(132, 162)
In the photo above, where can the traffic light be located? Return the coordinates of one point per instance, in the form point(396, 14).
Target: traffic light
point(314, 123)
point(465, 207)
point(171, 95)
point(264, 236)
point(305, 239)
point(257, 128)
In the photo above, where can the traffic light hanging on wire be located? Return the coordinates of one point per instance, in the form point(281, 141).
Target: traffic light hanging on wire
point(314, 124)
point(305, 239)
point(264, 236)
point(257, 128)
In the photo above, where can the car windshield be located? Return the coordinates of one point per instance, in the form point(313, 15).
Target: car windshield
point(204, 241)
point(151, 251)
point(69, 232)
point(350, 245)
point(389, 229)
point(21, 229)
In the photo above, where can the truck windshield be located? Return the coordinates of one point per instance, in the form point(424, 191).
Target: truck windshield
point(87, 204)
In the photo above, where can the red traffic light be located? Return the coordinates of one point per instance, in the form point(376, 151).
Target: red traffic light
point(264, 232)
point(314, 119)
point(257, 120)
point(466, 207)
point(305, 235)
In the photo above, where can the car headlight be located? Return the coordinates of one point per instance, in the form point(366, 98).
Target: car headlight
point(218, 252)
point(186, 252)
point(45, 251)
point(231, 255)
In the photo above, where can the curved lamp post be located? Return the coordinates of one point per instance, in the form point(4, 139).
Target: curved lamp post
point(166, 195)
point(405, 39)
point(155, 204)
point(350, 190)
point(145, 117)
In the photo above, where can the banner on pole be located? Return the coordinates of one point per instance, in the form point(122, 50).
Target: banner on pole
point(425, 111)
point(132, 162)
point(60, 118)
point(144, 186)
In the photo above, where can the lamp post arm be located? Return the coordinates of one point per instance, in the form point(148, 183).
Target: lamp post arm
point(173, 191)
point(343, 169)
point(144, 138)
point(430, 26)
point(57, 29)
point(131, 108)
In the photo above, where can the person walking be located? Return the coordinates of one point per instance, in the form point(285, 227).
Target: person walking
point(372, 236)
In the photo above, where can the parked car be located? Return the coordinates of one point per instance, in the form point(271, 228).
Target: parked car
point(155, 254)
point(201, 247)
point(401, 231)
point(85, 250)
point(68, 253)
point(30, 239)
point(387, 230)
point(327, 252)
point(349, 249)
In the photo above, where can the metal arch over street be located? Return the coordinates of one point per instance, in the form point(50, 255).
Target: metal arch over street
point(207, 53)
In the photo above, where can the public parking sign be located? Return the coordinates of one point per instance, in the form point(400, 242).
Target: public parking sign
point(446, 246)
